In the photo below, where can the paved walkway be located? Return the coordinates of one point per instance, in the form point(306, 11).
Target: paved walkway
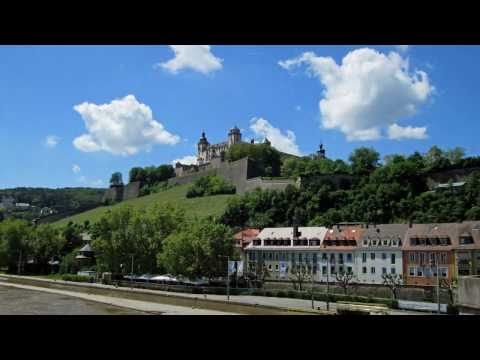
point(281, 303)
point(144, 306)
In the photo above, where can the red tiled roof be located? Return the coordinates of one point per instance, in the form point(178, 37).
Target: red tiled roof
point(246, 234)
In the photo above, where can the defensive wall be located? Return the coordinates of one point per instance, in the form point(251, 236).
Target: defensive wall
point(122, 192)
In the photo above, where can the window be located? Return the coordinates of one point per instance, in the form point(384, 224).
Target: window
point(332, 258)
point(276, 267)
point(365, 242)
point(411, 271)
point(270, 267)
point(276, 256)
point(340, 258)
point(443, 272)
point(324, 270)
point(372, 270)
point(372, 256)
point(443, 258)
point(411, 257)
point(364, 270)
point(324, 257)
point(384, 270)
point(340, 269)
point(315, 257)
point(332, 270)
point(466, 239)
point(264, 256)
point(349, 270)
point(392, 258)
point(315, 269)
point(364, 257)
point(428, 272)
point(422, 258)
point(270, 256)
point(392, 270)
point(419, 271)
point(349, 258)
point(384, 256)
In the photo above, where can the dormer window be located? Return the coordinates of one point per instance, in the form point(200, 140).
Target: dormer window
point(385, 242)
point(466, 239)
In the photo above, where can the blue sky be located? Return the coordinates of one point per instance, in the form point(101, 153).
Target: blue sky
point(56, 90)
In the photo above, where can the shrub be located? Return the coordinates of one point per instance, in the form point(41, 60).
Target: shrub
point(210, 185)
point(75, 278)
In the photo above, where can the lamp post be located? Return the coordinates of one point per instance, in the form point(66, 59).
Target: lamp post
point(228, 276)
point(438, 283)
point(313, 304)
point(131, 274)
point(328, 282)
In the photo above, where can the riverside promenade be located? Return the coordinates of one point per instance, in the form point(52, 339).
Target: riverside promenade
point(150, 300)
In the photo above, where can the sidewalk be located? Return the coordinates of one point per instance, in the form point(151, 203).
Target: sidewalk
point(271, 302)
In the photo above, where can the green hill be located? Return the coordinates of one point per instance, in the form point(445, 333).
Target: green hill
point(202, 206)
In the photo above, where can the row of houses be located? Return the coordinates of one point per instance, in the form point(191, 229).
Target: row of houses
point(415, 251)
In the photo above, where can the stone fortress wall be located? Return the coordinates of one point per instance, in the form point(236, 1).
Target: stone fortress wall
point(122, 192)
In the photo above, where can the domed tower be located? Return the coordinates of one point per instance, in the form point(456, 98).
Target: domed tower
point(234, 136)
point(202, 147)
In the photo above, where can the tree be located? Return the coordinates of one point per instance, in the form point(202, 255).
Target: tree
point(16, 245)
point(125, 231)
point(300, 274)
point(450, 285)
point(345, 279)
point(455, 155)
point(196, 250)
point(46, 242)
point(116, 179)
point(393, 282)
point(364, 160)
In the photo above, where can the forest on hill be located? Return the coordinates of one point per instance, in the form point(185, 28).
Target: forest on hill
point(61, 201)
point(395, 190)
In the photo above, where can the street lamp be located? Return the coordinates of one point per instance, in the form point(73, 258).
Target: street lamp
point(228, 275)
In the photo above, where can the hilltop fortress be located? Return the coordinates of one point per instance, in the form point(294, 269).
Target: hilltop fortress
point(244, 173)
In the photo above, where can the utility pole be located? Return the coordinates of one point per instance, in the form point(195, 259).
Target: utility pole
point(328, 282)
point(131, 275)
point(228, 278)
point(313, 304)
point(19, 270)
point(438, 283)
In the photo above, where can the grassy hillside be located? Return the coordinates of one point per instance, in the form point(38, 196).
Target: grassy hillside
point(203, 206)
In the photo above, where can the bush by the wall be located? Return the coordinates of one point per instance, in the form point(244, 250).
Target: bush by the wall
point(75, 278)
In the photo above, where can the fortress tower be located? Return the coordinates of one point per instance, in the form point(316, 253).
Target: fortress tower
point(234, 136)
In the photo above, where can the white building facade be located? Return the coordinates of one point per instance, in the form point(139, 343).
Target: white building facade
point(380, 252)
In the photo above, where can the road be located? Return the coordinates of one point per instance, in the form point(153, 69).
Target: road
point(29, 300)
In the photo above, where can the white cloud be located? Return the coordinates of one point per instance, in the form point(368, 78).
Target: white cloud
point(285, 143)
point(75, 168)
point(195, 57)
point(122, 127)
point(51, 141)
point(402, 48)
point(397, 132)
point(88, 182)
point(367, 92)
point(186, 160)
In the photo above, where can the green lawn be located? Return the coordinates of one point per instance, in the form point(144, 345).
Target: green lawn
point(201, 207)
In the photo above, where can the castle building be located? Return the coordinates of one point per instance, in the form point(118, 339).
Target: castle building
point(207, 151)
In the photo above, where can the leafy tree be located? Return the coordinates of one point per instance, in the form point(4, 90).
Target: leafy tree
point(125, 231)
point(16, 245)
point(195, 250)
point(46, 242)
point(364, 160)
point(210, 185)
point(116, 179)
point(455, 155)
